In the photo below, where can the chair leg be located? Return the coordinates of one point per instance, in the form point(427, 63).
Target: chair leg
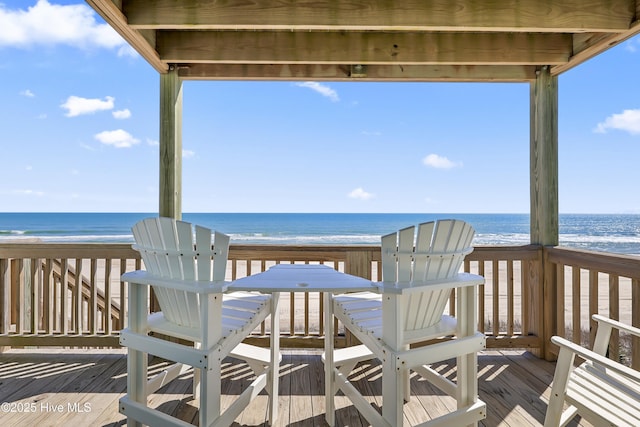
point(564, 365)
point(393, 380)
point(467, 389)
point(329, 386)
point(137, 366)
point(274, 368)
point(407, 382)
point(210, 392)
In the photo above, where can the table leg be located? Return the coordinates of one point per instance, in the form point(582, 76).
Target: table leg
point(467, 390)
point(329, 385)
point(274, 375)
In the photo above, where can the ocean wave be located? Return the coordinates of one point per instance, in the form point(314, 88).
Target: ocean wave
point(306, 239)
point(495, 239)
point(621, 238)
point(12, 232)
point(123, 238)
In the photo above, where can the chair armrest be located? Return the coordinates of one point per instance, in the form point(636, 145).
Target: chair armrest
point(196, 286)
point(618, 325)
point(460, 280)
point(596, 358)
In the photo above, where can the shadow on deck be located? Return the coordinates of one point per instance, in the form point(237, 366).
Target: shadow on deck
point(52, 387)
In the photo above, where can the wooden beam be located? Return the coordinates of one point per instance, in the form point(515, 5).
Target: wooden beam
point(111, 13)
point(282, 47)
point(170, 203)
point(586, 46)
point(544, 159)
point(332, 72)
point(407, 15)
point(544, 199)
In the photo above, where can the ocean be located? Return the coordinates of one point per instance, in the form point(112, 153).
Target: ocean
point(606, 233)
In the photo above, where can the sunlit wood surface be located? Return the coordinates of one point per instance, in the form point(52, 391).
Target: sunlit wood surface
point(77, 387)
point(375, 40)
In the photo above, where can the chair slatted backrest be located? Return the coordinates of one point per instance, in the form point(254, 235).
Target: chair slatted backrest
point(438, 253)
point(170, 251)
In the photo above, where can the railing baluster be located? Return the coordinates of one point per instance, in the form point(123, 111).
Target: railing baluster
point(93, 297)
point(64, 298)
point(122, 320)
point(5, 297)
point(560, 298)
point(635, 321)
point(78, 298)
point(36, 285)
point(593, 304)
point(292, 310)
point(510, 298)
point(526, 299)
point(481, 320)
point(614, 313)
point(496, 296)
point(107, 297)
point(576, 296)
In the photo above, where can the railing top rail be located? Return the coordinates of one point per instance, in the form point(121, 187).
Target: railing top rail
point(618, 264)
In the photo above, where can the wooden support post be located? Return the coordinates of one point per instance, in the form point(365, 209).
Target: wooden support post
point(544, 198)
point(358, 263)
point(5, 299)
point(170, 145)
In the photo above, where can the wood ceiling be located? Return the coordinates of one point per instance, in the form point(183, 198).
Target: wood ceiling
point(370, 40)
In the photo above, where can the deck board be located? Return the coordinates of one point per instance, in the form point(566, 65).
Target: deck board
point(83, 386)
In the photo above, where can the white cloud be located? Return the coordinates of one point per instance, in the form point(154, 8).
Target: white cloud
point(77, 106)
point(49, 24)
point(632, 45)
point(371, 133)
point(360, 194)
point(187, 154)
point(439, 162)
point(27, 93)
point(321, 89)
point(153, 142)
point(127, 50)
point(122, 114)
point(118, 138)
point(29, 192)
point(628, 120)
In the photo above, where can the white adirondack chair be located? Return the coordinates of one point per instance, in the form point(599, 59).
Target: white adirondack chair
point(418, 280)
point(600, 390)
point(187, 275)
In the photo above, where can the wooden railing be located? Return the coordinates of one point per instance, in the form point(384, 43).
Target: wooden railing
point(587, 283)
point(71, 294)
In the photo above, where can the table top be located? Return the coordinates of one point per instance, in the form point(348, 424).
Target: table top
point(302, 278)
point(322, 278)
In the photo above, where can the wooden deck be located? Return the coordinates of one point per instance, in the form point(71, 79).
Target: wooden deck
point(52, 387)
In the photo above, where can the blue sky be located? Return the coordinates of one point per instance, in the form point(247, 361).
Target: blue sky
point(79, 119)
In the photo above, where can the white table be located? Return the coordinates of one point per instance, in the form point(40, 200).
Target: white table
point(322, 278)
point(306, 278)
point(302, 278)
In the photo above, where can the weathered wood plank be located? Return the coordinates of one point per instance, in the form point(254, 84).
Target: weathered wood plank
point(340, 72)
point(442, 15)
point(111, 13)
point(587, 46)
point(170, 145)
point(514, 384)
point(280, 47)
